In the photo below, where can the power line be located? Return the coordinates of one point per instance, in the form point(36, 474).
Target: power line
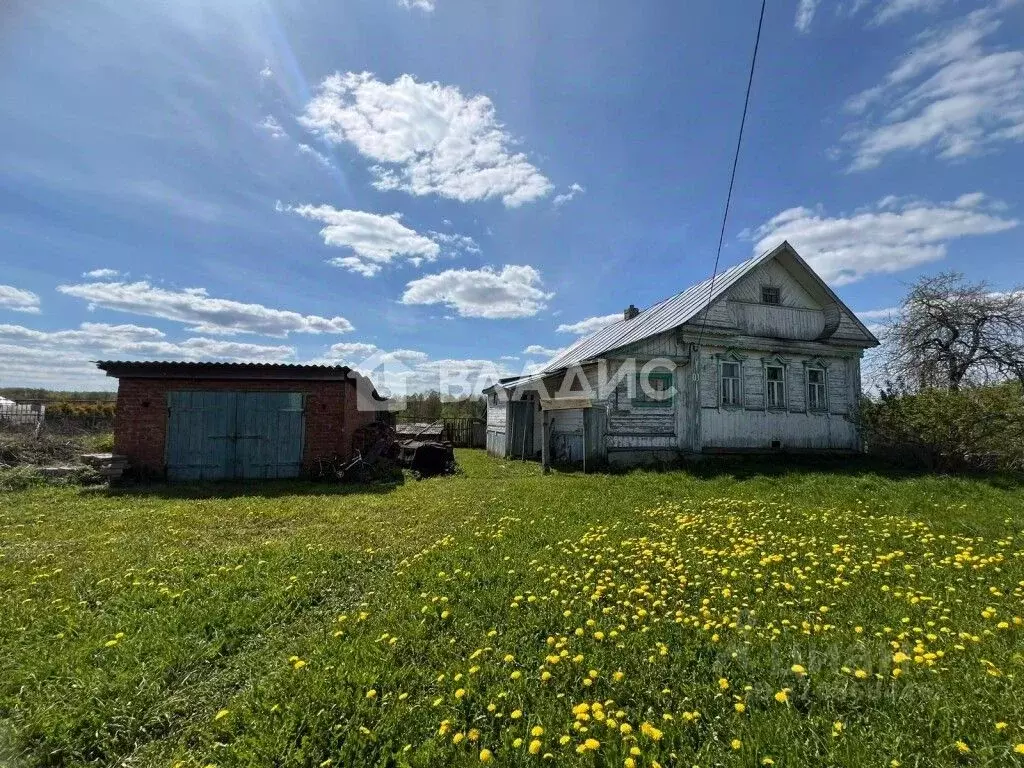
point(732, 177)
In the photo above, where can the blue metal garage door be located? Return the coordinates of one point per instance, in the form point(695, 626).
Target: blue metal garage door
point(234, 435)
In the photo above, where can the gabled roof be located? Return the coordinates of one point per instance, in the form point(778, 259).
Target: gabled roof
point(677, 310)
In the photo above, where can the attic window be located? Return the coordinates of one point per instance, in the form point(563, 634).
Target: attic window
point(770, 295)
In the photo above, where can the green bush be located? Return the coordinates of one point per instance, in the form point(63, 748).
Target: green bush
point(978, 428)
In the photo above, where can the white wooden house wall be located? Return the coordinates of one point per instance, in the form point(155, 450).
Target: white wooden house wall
point(807, 328)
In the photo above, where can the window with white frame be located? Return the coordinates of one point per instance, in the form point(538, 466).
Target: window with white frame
point(817, 393)
point(732, 383)
point(775, 386)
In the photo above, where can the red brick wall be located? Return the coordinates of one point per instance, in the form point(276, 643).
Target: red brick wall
point(140, 427)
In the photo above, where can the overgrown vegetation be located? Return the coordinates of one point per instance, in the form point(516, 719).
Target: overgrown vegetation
point(20, 447)
point(980, 428)
point(801, 618)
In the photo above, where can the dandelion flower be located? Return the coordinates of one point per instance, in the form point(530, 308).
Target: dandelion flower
point(534, 747)
point(740, 707)
point(736, 744)
point(537, 731)
point(798, 669)
point(723, 684)
point(486, 756)
point(222, 714)
point(782, 696)
point(650, 732)
point(371, 694)
point(962, 748)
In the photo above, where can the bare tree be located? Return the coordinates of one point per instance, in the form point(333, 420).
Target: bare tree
point(950, 333)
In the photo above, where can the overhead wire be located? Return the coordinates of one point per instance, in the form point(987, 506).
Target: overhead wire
point(732, 176)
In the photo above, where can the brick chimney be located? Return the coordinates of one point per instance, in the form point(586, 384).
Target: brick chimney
point(630, 312)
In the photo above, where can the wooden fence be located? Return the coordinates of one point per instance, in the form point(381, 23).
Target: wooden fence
point(463, 433)
point(467, 433)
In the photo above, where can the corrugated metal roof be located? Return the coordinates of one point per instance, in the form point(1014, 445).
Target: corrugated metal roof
point(664, 316)
point(203, 365)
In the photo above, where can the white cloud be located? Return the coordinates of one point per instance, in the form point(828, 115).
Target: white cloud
point(403, 371)
point(565, 197)
point(61, 359)
point(266, 73)
point(320, 157)
point(202, 312)
point(805, 14)
point(454, 242)
point(271, 125)
point(374, 240)
point(514, 292)
point(889, 10)
point(423, 5)
point(101, 274)
point(18, 300)
point(589, 325)
point(537, 349)
point(426, 138)
point(951, 96)
point(889, 237)
point(871, 315)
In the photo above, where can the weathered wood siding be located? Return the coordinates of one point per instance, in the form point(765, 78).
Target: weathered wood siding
point(643, 432)
point(497, 422)
point(753, 426)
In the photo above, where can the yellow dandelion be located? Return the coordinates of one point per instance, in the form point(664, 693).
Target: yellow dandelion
point(736, 744)
point(486, 756)
point(535, 746)
point(650, 732)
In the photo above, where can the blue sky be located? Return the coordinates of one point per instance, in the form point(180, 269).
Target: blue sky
point(420, 181)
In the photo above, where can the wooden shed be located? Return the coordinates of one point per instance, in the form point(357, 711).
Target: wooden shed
point(215, 421)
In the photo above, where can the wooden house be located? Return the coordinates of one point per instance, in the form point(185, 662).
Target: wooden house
point(765, 357)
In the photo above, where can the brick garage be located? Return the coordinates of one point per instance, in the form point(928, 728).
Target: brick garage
point(334, 402)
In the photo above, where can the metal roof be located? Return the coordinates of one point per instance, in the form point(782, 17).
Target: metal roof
point(664, 316)
point(671, 313)
point(211, 369)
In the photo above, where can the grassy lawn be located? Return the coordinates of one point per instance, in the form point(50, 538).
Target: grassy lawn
point(843, 618)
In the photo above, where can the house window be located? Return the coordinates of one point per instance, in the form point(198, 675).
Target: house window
point(775, 386)
point(817, 394)
point(732, 392)
point(770, 295)
point(653, 390)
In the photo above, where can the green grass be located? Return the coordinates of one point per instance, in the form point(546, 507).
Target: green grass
point(203, 625)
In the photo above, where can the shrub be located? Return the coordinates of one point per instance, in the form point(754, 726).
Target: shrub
point(978, 428)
